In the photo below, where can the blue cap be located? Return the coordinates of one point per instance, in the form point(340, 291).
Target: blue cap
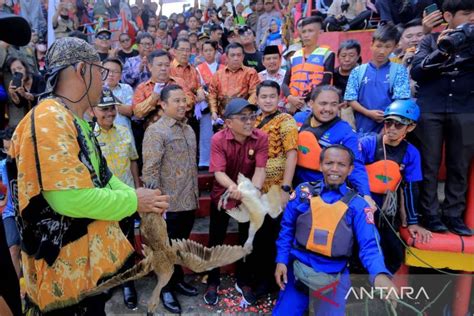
point(405, 109)
point(237, 105)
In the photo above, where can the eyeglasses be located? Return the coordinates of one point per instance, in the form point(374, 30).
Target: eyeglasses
point(104, 72)
point(125, 40)
point(389, 123)
point(115, 72)
point(183, 50)
point(103, 37)
point(246, 118)
point(146, 44)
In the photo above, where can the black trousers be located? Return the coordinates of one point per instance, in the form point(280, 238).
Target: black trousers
point(263, 256)
point(259, 266)
point(179, 226)
point(219, 221)
point(457, 132)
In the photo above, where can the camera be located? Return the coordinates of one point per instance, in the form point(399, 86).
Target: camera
point(460, 38)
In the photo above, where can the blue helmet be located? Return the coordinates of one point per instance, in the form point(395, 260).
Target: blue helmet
point(407, 109)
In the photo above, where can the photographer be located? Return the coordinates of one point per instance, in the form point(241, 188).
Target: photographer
point(444, 70)
point(23, 89)
point(64, 20)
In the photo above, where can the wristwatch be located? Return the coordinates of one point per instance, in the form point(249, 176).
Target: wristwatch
point(286, 188)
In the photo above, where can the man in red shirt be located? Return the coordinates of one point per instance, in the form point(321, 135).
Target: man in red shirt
point(239, 148)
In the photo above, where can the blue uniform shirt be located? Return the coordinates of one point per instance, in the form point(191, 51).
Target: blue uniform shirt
point(374, 93)
point(411, 171)
point(340, 133)
point(361, 222)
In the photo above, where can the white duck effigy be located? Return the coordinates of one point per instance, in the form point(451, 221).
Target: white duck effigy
point(254, 207)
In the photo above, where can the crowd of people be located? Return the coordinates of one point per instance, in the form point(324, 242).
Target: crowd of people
point(117, 120)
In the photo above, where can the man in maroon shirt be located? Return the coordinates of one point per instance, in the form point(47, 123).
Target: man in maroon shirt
point(239, 148)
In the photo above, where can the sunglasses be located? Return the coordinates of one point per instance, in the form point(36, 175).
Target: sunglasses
point(124, 40)
point(246, 118)
point(103, 37)
point(389, 123)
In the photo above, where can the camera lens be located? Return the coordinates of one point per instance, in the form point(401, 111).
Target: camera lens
point(452, 42)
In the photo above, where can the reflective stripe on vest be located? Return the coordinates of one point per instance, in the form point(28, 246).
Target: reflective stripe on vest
point(305, 74)
point(384, 175)
point(323, 229)
point(310, 143)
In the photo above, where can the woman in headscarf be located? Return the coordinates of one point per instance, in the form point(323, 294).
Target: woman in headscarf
point(273, 36)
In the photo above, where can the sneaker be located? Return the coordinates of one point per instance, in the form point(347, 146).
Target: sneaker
point(211, 297)
point(247, 294)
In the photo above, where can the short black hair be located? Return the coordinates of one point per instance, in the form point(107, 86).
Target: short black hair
point(115, 61)
point(413, 23)
point(312, 20)
point(385, 33)
point(349, 44)
point(341, 147)
point(180, 40)
point(233, 46)
point(215, 27)
point(157, 53)
point(317, 91)
point(165, 92)
point(124, 34)
point(269, 84)
point(143, 35)
point(214, 44)
point(453, 6)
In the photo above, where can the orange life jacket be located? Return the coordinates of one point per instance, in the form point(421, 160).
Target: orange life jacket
point(306, 74)
point(324, 230)
point(385, 175)
point(310, 143)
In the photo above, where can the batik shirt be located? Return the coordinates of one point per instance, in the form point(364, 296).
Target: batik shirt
point(282, 137)
point(118, 148)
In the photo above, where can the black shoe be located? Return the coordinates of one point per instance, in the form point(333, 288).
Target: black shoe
point(434, 224)
point(170, 302)
point(211, 297)
point(186, 289)
point(457, 226)
point(247, 294)
point(130, 296)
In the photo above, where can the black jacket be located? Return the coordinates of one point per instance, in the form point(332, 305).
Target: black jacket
point(445, 83)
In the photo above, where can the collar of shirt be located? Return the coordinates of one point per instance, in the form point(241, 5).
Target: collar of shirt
point(99, 129)
point(177, 64)
point(169, 121)
point(381, 66)
point(229, 135)
point(330, 194)
point(278, 74)
point(238, 69)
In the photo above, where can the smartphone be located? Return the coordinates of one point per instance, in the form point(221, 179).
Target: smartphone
point(17, 77)
point(431, 8)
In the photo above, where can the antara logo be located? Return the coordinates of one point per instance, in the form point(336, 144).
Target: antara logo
point(384, 293)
